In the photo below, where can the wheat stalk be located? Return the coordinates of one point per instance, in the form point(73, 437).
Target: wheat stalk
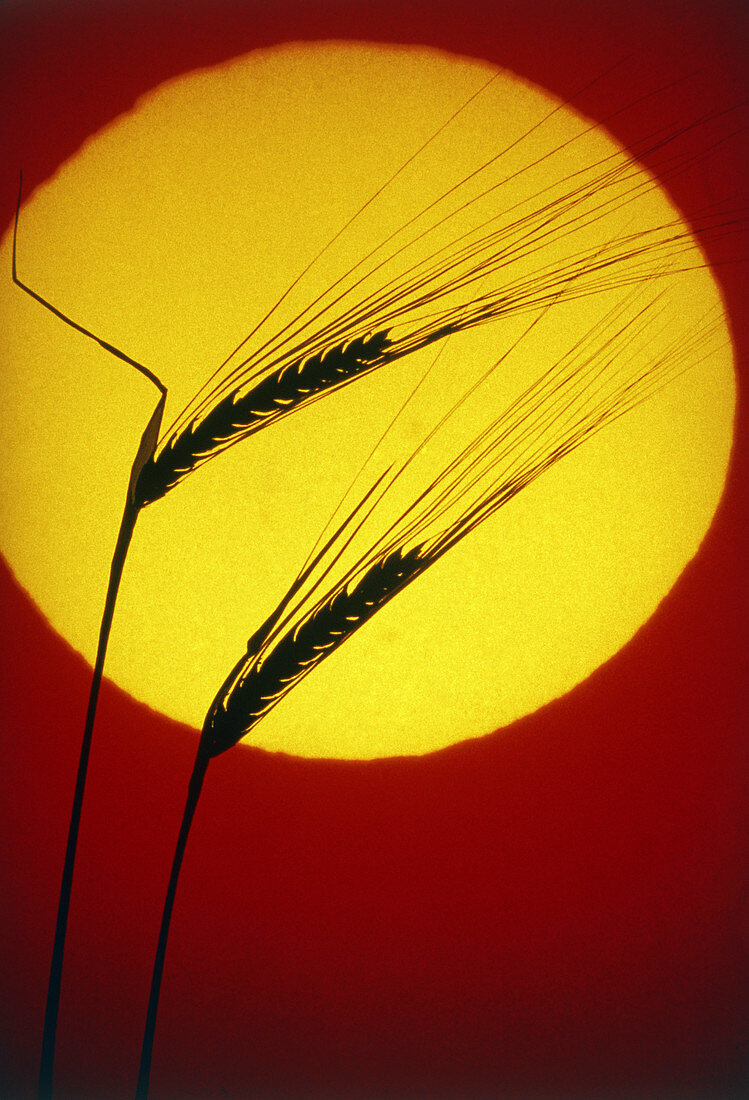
point(431, 300)
point(605, 376)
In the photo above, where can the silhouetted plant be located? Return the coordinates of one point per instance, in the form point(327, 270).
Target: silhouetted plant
point(362, 321)
point(606, 375)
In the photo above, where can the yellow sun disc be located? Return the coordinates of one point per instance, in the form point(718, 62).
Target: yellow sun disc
point(171, 234)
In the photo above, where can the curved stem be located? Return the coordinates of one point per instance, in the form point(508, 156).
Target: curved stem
point(129, 517)
point(193, 793)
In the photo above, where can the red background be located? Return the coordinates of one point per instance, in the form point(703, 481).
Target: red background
point(554, 910)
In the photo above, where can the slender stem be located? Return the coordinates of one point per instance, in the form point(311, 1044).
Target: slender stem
point(145, 452)
point(129, 517)
point(193, 793)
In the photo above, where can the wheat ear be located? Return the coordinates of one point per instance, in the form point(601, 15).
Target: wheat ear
point(332, 342)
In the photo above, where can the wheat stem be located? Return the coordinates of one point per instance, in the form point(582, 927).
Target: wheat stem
point(193, 793)
point(130, 513)
point(127, 525)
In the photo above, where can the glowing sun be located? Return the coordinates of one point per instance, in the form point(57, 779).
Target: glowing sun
point(173, 232)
